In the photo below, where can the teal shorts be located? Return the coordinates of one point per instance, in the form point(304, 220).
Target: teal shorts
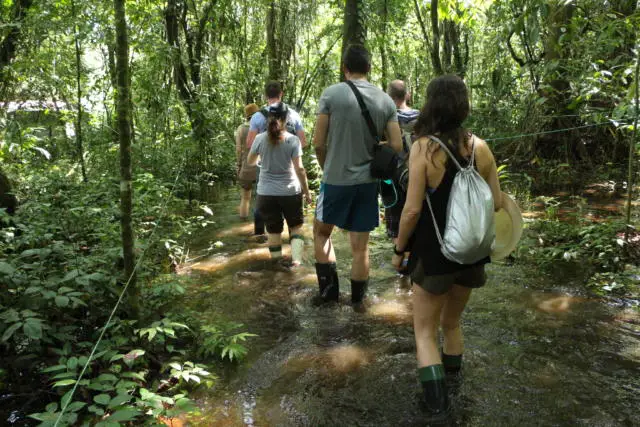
point(350, 207)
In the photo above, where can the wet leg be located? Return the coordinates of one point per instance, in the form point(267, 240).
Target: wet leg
point(274, 242)
point(360, 265)
point(245, 201)
point(426, 314)
point(456, 301)
point(326, 270)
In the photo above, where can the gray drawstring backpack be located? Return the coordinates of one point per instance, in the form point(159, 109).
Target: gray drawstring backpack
point(469, 231)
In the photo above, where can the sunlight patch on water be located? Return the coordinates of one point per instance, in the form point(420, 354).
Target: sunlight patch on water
point(394, 311)
point(347, 357)
point(558, 304)
point(220, 262)
point(239, 229)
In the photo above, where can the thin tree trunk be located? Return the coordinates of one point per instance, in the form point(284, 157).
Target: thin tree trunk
point(79, 144)
point(383, 45)
point(435, 50)
point(353, 31)
point(124, 129)
point(632, 146)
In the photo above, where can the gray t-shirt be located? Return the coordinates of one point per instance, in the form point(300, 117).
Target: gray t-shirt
point(277, 175)
point(349, 142)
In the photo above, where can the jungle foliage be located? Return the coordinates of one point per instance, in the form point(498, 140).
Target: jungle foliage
point(533, 67)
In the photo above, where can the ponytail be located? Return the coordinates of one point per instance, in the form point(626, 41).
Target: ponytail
point(274, 129)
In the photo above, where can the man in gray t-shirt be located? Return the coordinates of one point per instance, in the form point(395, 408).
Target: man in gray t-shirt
point(348, 194)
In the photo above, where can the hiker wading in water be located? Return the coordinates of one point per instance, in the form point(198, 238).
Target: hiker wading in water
point(282, 182)
point(441, 288)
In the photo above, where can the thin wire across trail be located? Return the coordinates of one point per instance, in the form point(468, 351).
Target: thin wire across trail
point(124, 290)
point(551, 131)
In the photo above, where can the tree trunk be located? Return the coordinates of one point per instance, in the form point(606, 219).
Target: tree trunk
point(353, 31)
point(383, 45)
point(124, 129)
point(79, 144)
point(435, 50)
point(9, 44)
point(7, 199)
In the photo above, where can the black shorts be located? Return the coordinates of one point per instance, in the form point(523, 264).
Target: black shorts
point(470, 277)
point(275, 209)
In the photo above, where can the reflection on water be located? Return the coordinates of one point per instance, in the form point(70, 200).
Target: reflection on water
point(536, 354)
point(557, 304)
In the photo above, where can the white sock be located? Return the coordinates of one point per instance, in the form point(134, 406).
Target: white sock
point(297, 248)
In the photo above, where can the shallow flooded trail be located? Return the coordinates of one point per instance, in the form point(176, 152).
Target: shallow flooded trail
point(539, 351)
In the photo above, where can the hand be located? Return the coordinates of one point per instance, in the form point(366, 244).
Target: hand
point(397, 261)
point(308, 198)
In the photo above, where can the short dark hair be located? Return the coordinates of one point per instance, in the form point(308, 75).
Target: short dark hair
point(397, 90)
point(273, 89)
point(356, 59)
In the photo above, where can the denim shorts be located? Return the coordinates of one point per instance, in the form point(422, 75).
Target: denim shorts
point(350, 207)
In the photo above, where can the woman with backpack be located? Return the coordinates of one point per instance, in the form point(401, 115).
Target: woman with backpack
point(282, 182)
point(441, 287)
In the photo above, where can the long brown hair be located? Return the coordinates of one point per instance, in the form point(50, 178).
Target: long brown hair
point(446, 109)
point(276, 121)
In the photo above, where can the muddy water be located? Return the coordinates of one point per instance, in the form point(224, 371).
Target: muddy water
point(539, 352)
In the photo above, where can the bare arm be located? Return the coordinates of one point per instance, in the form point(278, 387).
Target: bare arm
point(302, 176)
point(252, 159)
point(238, 151)
point(394, 135)
point(251, 136)
point(415, 193)
point(320, 138)
point(302, 137)
point(489, 171)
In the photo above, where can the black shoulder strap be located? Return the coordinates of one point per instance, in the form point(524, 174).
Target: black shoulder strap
point(265, 112)
point(365, 111)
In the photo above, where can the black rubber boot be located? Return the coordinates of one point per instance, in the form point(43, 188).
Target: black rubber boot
point(436, 399)
point(358, 290)
point(452, 370)
point(328, 283)
point(435, 392)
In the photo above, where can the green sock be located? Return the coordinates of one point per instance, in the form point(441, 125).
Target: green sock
point(431, 373)
point(275, 251)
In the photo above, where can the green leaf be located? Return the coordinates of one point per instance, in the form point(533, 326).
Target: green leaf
point(102, 399)
point(96, 410)
point(75, 406)
point(119, 400)
point(124, 415)
point(71, 275)
point(62, 301)
point(7, 269)
point(72, 363)
point(51, 407)
point(55, 368)
point(64, 290)
point(64, 383)
point(107, 378)
point(10, 330)
point(134, 375)
point(33, 330)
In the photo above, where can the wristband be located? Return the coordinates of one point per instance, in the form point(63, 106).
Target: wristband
point(397, 252)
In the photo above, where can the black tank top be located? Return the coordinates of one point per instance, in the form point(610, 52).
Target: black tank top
point(425, 245)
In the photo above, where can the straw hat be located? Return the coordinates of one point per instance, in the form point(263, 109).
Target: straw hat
point(250, 110)
point(508, 222)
